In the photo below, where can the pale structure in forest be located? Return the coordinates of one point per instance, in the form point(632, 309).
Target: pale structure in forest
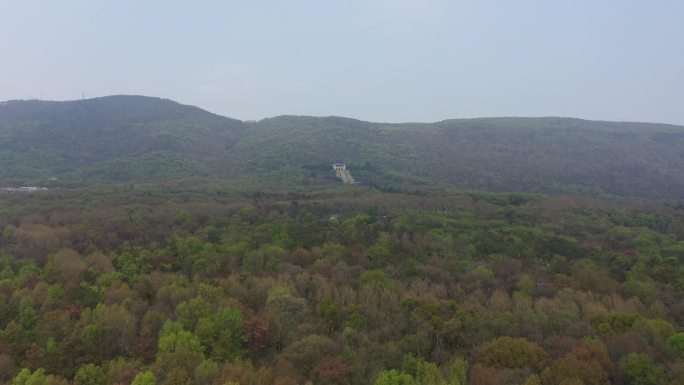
point(342, 172)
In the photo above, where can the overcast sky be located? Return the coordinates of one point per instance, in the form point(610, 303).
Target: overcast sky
point(377, 60)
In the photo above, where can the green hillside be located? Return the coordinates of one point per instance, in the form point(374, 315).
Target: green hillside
point(499, 154)
point(115, 138)
point(132, 138)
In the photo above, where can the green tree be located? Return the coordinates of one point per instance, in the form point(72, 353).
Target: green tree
point(639, 369)
point(288, 311)
point(410, 364)
point(92, 341)
point(177, 376)
point(173, 337)
point(305, 353)
point(90, 374)
point(374, 278)
point(394, 377)
point(117, 327)
point(525, 286)
point(677, 343)
point(427, 373)
point(222, 333)
point(145, 378)
point(379, 254)
point(26, 377)
point(457, 372)
point(206, 372)
point(28, 317)
point(190, 312)
point(612, 323)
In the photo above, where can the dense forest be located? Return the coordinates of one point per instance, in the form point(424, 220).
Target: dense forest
point(175, 246)
point(142, 139)
point(152, 285)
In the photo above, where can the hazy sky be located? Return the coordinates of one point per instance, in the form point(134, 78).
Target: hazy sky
point(378, 60)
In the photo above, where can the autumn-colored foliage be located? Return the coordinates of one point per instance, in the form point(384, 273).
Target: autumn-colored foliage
point(507, 352)
point(256, 334)
point(331, 371)
point(468, 288)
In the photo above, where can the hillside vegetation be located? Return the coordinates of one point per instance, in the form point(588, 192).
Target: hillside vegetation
point(126, 287)
point(201, 250)
point(118, 138)
point(130, 138)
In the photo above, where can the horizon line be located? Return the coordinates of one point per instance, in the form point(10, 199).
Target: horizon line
point(338, 116)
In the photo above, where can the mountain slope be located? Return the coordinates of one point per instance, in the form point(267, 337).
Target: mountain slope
point(111, 138)
point(501, 154)
point(133, 138)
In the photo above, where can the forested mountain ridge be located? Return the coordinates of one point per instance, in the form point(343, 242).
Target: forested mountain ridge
point(499, 154)
point(116, 138)
point(133, 138)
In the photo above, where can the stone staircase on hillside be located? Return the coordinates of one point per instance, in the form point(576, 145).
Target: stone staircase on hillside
point(342, 172)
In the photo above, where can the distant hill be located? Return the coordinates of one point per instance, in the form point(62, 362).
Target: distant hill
point(498, 154)
point(115, 138)
point(133, 138)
